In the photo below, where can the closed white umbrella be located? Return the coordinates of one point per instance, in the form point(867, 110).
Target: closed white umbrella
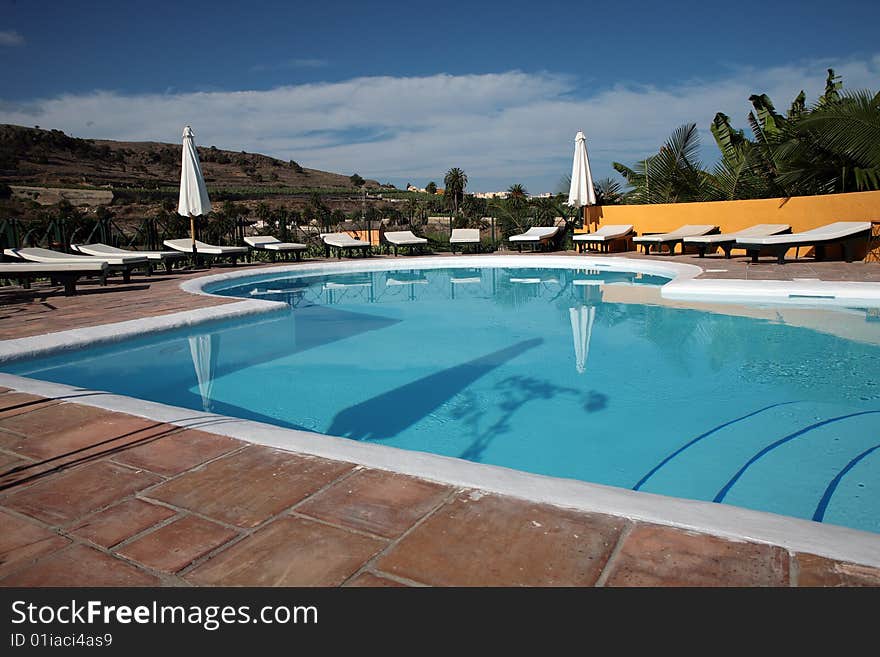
point(581, 329)
point(581, 192)
point(194, 199)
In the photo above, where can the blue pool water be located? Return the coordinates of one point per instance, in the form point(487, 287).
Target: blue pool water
point(578, 374)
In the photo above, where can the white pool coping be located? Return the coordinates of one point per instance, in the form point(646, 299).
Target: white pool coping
point(723, 520)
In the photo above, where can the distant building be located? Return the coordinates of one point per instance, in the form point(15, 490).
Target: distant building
point(491, 194)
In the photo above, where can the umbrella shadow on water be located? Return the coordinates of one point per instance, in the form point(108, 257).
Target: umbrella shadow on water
point(515, 392)
point(388, 414)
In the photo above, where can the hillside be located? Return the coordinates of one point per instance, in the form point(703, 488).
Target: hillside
point(32, 156)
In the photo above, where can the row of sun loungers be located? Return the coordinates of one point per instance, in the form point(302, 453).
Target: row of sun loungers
point(102, 260)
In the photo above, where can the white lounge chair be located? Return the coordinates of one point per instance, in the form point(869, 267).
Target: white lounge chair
point(343, 242)
point(465, 236)
point(537, 235)
point(848, 234)
point(65, 273)
point(398, 238)
point(726, 241)
point(603, 237)
point(99, 250)
point(673, 237)
point(272, 245)
point(202, 249)
point(121, 264)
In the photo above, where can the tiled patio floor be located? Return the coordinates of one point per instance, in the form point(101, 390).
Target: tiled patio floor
point(93, 498)
point(89, 497)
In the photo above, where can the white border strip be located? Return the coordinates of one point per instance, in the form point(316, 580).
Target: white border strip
point(797, 292)
point(719, 519)
point(53, 343)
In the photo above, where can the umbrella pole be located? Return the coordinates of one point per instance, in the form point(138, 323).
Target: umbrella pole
point(192, 232)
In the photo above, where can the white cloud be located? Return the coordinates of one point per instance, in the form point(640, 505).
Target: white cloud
point(500, 128)
point(11, 38)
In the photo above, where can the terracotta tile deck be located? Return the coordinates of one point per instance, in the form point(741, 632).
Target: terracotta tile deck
point(232, 514)
point(93, 498)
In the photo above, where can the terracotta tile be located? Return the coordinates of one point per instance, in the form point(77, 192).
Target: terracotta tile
point(289, 552)
point(62, 498)
point(81, 445)
point(249, 486)
point(9, 461)
point(371, 580)
point(663, 556)
point(375, 501)
point(176, 545)
point(821, 571)
point(16, 404)
point(22, 541)
point(117, 523)
point(178, 452)
point(52, 419)
point(93, 436)
point(80, 566)
point(499, 541)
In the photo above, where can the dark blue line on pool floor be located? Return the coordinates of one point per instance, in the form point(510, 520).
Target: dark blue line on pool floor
point(819, 514)
point(654, 470)
point(800, 432)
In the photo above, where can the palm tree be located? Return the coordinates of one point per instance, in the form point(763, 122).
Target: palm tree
point(835, 147)
point(517, 193)
point(455, 181)
point(608, 192)
point(830, 147)
point(674, 175)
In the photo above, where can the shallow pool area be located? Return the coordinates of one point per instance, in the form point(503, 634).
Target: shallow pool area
point(574, 373)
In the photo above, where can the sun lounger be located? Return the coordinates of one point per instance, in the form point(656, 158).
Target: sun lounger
point(603, 237)
point(273, 246)
point(65, 273)
point(400, 238)
point(726, 241)
point(202, 249)
point(674, 237)
point(343, 242)
point(538, 235)
point(848, 234)
point(465, 236)
point(121, 264)
point(99, 250)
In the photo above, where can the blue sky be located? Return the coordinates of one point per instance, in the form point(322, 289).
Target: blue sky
point(401, 92)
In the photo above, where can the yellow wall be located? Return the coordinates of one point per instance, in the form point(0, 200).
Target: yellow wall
point(801, 212)
point(371, 236)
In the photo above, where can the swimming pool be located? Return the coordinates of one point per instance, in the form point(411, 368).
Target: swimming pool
point(575, 373)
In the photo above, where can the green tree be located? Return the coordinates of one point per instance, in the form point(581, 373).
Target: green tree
point(356, 180)
point(431, 187)
point(518, 193)
point(608, 192)
point(455, 182)
point(674, 175)
point(829, 147)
